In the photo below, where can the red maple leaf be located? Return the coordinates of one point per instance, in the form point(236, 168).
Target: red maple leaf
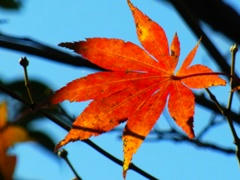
point(135, 87)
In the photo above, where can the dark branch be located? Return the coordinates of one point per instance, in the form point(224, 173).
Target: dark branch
point(36, 48)
point(204, 102)
point(176, 136)
point(204, 144)
point(192, 21)
point(211, 12)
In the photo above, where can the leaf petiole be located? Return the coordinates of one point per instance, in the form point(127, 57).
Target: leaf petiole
point(177, 77)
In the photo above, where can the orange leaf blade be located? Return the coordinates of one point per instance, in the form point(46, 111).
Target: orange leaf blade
point(9, 135)
point(104, 114)
point(181, 107)
point(201, 77)
point(7, 165)
point(141, 122)
point(114, 54)
point(12, 135)
point(150, 34)
point(3, 114)
point(172, 60)
point(137, 87)
point(188, 60)
point(175, 47)
point(100, 85)
point(175, 53)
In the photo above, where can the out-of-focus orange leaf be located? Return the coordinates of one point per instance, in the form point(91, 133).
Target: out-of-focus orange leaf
point(7, 165)
point(236, 88)
point(136, 86)
point(12, 135)
point(9, 135)
point(3, 114)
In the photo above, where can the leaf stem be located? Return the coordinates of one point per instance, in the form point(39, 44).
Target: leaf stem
point(26, 45)
point(214, 99)
point(176, 77)
point(227, 115)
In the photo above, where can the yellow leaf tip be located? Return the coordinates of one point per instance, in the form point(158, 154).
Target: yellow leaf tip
point(130, 4)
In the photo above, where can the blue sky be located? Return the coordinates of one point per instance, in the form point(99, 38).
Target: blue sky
point(52, 22)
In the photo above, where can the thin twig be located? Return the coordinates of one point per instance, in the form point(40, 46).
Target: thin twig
point(233, 50)
point(192, 22)
point(36, 48)
point(227, 116)
point(214, 99)
point(204, 102)
point(180, 138)
point(211, 123)
point(173, 135)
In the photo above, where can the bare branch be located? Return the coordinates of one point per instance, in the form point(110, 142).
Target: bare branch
point(226, 114)
point(191, 20)
point(175, 136)
point(36, 48)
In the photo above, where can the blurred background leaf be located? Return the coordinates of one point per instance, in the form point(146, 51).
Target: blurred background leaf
point(24, 116)
point(218, 14)
point(10, 4)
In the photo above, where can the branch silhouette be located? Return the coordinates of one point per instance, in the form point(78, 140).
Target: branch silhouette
point(211, 13)
point(194, 25)
point(38, 49)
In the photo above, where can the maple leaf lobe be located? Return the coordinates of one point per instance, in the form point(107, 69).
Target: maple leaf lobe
point(150, 34)
point(175, 47)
